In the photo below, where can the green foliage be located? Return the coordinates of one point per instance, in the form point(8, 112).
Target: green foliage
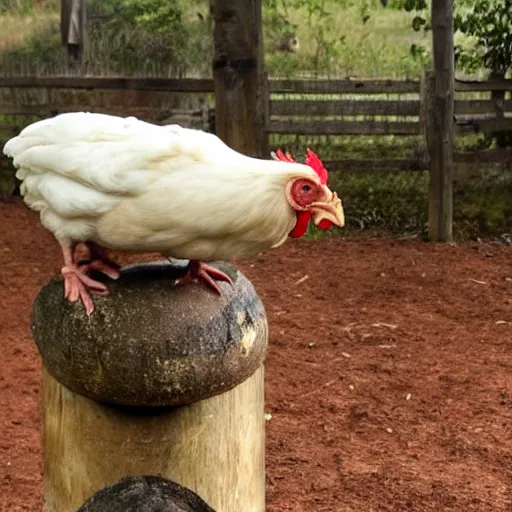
point(24, 7)
point(326, 45)
point(367, 42)
point(318, 19)
point(158, 28)
point(394, 202)
point(489, 24)
point(124, 37)
point(482, 204)
point(486, 27)
point(160, 16)
point(337, 38)
point(20, 7)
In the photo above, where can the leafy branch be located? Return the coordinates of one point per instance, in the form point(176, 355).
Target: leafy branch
point(487, 25)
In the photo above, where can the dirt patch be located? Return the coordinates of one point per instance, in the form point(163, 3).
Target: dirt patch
point(388, 375)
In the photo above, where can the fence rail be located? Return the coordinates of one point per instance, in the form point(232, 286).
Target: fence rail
point(279, 85)
point(345, 86)
point(344, 108)
point(296, 107)
point(119, 83)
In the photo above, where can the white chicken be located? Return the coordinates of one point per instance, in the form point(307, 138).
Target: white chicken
point(128, 185)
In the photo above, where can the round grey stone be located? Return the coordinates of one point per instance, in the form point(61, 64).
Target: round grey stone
point(150, 342)
point(145, 494)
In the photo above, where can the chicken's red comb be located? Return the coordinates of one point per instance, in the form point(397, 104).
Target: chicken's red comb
point(316, 164)
point(311, 159)
point(284, 157)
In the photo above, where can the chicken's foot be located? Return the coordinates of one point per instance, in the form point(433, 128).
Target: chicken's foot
point(199, 270)
point(100, 262)
point(77, 284)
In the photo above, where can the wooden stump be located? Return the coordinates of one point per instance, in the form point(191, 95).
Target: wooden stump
point(161, 380)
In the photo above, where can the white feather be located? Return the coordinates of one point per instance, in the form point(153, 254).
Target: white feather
point(130, 185)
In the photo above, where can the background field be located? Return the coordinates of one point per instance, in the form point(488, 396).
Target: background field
point(338, 39)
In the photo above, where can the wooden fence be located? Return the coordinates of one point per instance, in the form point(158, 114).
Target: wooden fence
point(296, 107)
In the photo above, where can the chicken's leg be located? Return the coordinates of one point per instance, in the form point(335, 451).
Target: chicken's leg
point(99, 261)
point(199, 270)
point(78, 285)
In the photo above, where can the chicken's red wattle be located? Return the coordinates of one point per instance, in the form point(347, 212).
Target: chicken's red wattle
point(324, 224)
point(301, 226)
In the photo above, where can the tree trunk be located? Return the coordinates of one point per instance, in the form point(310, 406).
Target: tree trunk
point(241, 91)
point(441, 146)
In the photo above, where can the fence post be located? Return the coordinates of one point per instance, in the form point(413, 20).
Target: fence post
point(239, 80)
point(441, 124)
point(425, 119)
point(498, 99)
point(73, 29)
point(161, 380)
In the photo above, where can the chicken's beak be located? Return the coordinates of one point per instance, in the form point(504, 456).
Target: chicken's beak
point(330, 210)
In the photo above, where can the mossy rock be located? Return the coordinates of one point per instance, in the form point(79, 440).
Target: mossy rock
point(150, 342)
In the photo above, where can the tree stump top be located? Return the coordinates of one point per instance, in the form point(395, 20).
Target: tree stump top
point(150, 342)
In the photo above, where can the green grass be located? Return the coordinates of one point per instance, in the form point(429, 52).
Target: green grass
point(379, 48)
point(18, 30)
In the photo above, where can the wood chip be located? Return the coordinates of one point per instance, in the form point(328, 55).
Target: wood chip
point(302, 279)
point(346, 355)
point(318, 390)
point(268, 416)
point(408, 396)
point(382, 324)
point(477, 281)
point(501, 322)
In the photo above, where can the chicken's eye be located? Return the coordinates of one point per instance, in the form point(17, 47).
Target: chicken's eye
point(306, 188)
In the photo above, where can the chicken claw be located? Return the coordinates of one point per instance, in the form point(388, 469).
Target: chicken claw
point(199, 270)
point(100, 262)
point(77, 286)
point(100, 266)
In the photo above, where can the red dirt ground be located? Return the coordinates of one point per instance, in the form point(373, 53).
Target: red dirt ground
point(388, 374)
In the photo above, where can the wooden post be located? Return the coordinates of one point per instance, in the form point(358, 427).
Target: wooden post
point(441, 145)
point(498, 99)
point(426, 107)
point(73, 28)
point(161, 380)
point(241, 91)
